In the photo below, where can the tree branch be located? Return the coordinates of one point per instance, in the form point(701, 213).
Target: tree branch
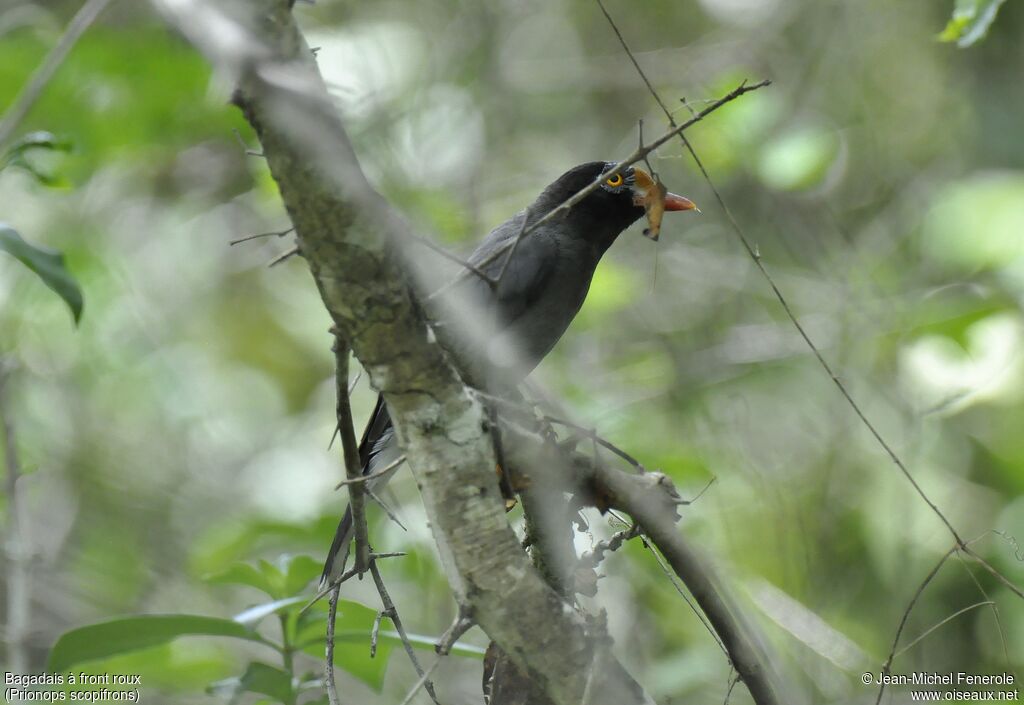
point(652, 500)
point(350, 448)
point(350, 238)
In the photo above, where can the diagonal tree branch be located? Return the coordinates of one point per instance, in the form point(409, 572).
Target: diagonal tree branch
point(88, 14)
point(652, 501)
point(349, 236)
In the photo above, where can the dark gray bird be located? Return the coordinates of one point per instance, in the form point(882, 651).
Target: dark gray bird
point(499, 334)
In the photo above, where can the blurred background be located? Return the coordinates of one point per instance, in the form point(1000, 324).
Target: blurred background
point(182, 427)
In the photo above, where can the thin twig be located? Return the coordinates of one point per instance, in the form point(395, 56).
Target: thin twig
point(250, 152)
point(462, 623)
point(332, 614)
point(334, 434)
point(286, 255)
point(423, 680)
point(566, 205)
point(431, 245)
point(257, 236)
point(34, 88)
point(887, 666)
point(391, 612)
point(732, 684)
point(944, 621)
point(375, 632)
point(604, 443)
point(590, 434)
point(752, 251)
point(995, 608)
point(363, 478)
point(686, 598)
point(345, 577)
point(384, 505)
point(350, 447)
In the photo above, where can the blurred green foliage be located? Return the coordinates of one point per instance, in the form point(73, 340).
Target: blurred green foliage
point(181, 431)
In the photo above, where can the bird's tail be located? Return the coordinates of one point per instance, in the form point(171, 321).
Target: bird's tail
point(334, 566)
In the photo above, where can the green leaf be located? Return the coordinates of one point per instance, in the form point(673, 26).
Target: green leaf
point(118, 636)
point(267, 680)
point(36, 140)
point(253, 615)
point(970, 21)
point(244, 574)
point(17, 155)
point(47, 264)
point(351, 640)
point(258, 678)
point(299, 570)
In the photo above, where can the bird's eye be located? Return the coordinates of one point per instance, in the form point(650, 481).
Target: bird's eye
point(614, 181)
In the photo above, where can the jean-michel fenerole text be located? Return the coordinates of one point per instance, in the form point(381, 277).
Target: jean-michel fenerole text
point(932, 678)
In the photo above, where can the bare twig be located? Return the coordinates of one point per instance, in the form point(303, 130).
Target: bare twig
point(942, 622)
point(682, 593)
point(423, 680)
point(462, 623)
point(363, 478)
point(246, 148)
point(431, 245)
point(332, 614)
point(637, 155)
point(391, 612)
point(384, 505)
point(732, 684)
point(350, 447)
point(588, 433)
point(755, 255)
point(994, 607)
point(257, 236)
point(604, 443)
point(658, 525)
point(887, 666)
point(345, 577)
point(34, 88)
point(284, 256)
point(19, 600)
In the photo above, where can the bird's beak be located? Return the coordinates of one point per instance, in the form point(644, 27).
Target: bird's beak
point(656, 199)
point(645, 188)
point(675, 202)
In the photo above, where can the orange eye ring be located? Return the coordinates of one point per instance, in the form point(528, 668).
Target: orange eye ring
point(614, 181)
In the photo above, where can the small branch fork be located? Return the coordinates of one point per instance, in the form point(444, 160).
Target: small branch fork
point(364, 559)
point(756, 257)
point(350, 447)
point(652, 501)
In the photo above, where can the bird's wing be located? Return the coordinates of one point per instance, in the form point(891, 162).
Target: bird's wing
point(526, 275)
point(522, 282)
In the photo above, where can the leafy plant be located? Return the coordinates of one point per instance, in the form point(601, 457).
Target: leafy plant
point(970, 21)
point(48, 264)
point(301, 632)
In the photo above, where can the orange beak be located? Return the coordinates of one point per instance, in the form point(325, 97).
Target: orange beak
point(655, 199)
point(675, 202)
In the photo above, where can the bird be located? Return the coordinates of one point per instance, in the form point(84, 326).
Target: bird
point(517, 317)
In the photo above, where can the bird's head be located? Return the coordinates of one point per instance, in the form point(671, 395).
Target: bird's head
point(619, 202)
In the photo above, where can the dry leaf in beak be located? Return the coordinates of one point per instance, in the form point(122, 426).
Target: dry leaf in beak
point(653, 202)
